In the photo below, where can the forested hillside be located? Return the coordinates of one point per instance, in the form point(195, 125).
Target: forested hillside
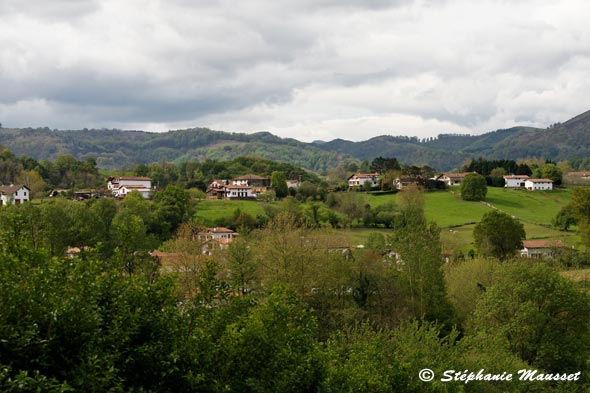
point(118, 149)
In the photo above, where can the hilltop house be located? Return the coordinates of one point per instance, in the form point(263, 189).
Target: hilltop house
point(538, 184)
point(14, 194)
point(359, 179)
point(539, 249)
point(120, 186)
point(402, 182)
point(515, 181)
point(453, 179)
point(243, 187)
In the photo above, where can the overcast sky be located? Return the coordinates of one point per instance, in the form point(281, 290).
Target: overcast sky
point(307, 69)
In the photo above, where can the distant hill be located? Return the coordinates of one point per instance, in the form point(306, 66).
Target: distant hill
point(119, 149)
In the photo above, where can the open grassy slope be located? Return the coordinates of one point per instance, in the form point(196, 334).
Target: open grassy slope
point(455, 216)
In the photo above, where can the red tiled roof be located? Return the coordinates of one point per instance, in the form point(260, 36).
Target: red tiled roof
point(541, 180)
point(542, 243)
point(11, 189)
point(220, 230)
point(516, 177)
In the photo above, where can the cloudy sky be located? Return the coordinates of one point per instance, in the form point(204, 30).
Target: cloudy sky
point(308, 69)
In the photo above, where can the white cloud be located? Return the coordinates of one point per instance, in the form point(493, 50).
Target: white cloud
point(309, 69)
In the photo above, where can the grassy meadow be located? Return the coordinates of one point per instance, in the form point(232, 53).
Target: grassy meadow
point(455, 217)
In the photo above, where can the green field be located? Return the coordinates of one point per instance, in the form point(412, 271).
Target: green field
point(455, 216)
point(211, 210)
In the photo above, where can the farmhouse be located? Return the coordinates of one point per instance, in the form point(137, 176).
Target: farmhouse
point(539, 249)
point(359, 179)
point(120, 186)
point(243, 187)
point(294, 183)
point(14, 194)
point(216, 239)
point(538, 184)
point(453, 179)
point(251, 180)
point(401, 182)
point(515, 181)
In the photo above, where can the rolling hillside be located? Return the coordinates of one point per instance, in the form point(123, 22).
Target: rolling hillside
point(117, 149)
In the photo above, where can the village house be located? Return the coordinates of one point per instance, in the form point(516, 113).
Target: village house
point(402, 182)
point(453, 179)
point(120, 186)
point(359, 179)
point(539, 249)
point(216, 239)
point(538, 184)
point(515, 181)
point(243, 187)
point(295, 183)
point(14, 194)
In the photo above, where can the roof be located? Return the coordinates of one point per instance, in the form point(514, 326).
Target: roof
point(136, 188)
point(219, 230)
point(516, 177)
point(251, 177)
point(540, 180)
point(459, 175)
point(581, 174)
point(364, 175)
point(240, 186)
point(542, 243)
point(11, 189)
point(119, 178)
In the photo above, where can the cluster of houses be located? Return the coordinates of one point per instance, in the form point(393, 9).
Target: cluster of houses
point(450, 179)
point(243, 187)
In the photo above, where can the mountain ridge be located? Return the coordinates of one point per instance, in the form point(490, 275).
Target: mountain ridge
point(116, 149)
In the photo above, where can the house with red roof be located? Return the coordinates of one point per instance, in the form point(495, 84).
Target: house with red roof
point(14, 194)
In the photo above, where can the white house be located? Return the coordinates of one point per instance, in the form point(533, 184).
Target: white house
point(539, 249)
point(515, 181)
point(216, 239)
point(294, 183)
point(359, 179)
point(538, 184)
point(453, 179)
point(122, 185)
point(240, 191)
point(14, 194)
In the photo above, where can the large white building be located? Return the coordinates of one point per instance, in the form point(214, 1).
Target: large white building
point(515, 181)
point(120, 186)
point(538, 184)
point(359, 179)
point(14, 194)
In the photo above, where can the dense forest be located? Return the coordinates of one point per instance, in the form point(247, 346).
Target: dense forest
point(116, 149)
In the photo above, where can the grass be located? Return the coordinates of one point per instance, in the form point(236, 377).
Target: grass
point(211, 210)
point(456, 217)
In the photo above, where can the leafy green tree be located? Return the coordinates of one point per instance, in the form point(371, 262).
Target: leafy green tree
point(498, 235)
point(541, 316)
point(580, 205)
point(172, 207)
point(565, 218)
point(279, 184)
point(273, 349)
point(552, 172)
point(474, 187)
point(382, 165)
point(418, 246)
